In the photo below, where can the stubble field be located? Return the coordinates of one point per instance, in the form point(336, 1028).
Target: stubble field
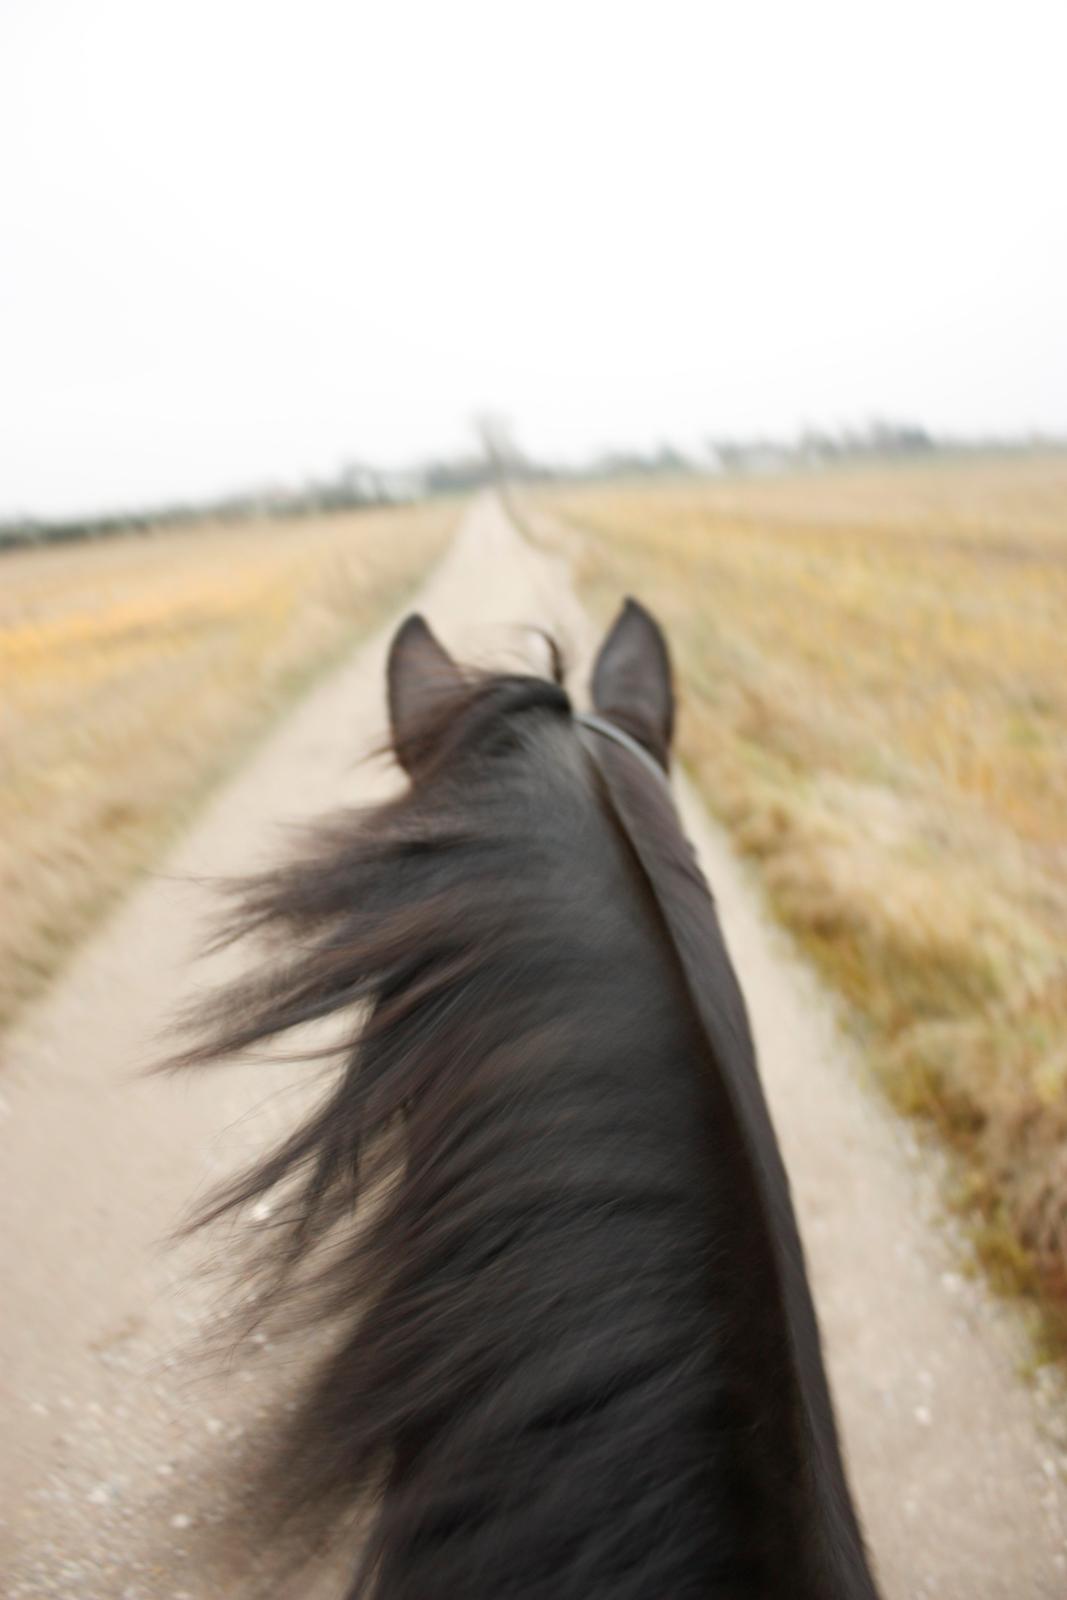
point(135, 670)
point(874, 674)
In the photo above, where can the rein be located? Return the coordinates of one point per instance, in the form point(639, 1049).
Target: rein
point(687, 906)
point(608, 729)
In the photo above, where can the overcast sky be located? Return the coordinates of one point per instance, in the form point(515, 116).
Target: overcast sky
point(242, 242)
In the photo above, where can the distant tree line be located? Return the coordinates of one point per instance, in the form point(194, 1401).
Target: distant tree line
point(877, 441)
point(357, 484)
point(354, 486)
point(820, 447)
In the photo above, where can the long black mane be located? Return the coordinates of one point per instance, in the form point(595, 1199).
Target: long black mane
point(559, 1286)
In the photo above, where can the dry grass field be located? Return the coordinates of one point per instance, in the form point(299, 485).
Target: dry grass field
point(133, 672)
point(874, 671)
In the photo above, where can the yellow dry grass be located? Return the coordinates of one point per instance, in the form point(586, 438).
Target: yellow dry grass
point(874, 676)
point(132, 672)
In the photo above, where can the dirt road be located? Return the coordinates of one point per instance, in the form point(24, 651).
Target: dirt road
point(116, 1450)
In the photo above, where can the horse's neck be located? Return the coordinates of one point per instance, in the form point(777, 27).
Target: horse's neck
point(774, 1308)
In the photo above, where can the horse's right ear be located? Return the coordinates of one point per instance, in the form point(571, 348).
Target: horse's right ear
point(420, 677)
point(632, 681)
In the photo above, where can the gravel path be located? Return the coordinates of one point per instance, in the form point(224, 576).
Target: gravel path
point(118, 1467)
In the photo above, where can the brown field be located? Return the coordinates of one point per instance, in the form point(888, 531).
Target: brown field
point(133, 672)
point(874, 675)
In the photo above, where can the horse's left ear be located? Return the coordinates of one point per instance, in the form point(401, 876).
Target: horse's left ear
point(421, 677)
point(632, 681)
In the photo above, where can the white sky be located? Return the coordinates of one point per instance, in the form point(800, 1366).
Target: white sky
point(241, 242)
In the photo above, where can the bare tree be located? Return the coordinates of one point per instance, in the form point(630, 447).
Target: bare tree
point(498, 442)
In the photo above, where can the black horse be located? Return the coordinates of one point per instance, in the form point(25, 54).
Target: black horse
point(542, 1212)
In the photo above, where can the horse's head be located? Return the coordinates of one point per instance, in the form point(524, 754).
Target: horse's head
point(632, 688)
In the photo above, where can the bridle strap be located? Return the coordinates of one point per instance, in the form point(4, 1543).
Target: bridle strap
point(609, 731)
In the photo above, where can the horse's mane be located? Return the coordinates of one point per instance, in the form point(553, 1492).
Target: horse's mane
point(438, 941)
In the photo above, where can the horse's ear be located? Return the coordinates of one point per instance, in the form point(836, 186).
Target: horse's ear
point(420, 677)
point(632, 681)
